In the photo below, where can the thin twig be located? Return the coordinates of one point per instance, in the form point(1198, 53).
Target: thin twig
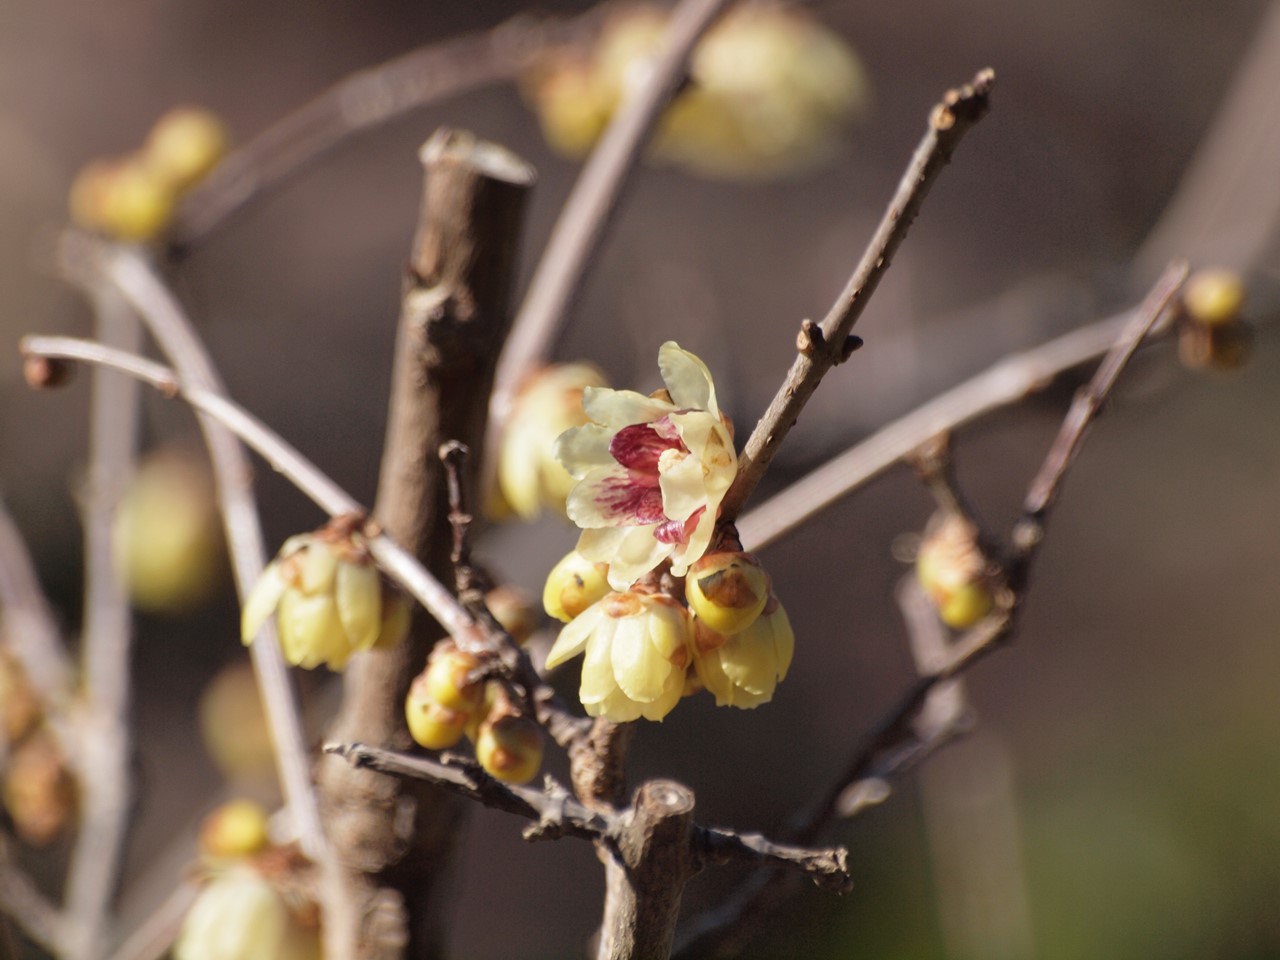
point(129, 270)
point(362, 101)
point(102, 760)
point(585, 216)
point(822, 346)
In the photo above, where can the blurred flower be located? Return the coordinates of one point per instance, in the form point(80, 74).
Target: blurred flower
point(233, 726)
point(168, 540)
point(549, 403)
point(637, 649)
point(240, 915)
point(1213, 296)
point(744, 669)
point(327, 597)
point(651, 471)
point(952, 570)
point(184, 146)
point(235, 829)
point(770, 92)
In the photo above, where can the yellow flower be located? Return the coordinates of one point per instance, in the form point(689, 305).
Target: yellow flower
point(327, 597)
point(529, 476)
point(637, 650)
point(651, 471)
point(241, 916)
point(743, 670)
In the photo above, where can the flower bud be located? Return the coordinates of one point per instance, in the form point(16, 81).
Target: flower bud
point(445, 679)
point(514, 611)
point(122, 198)
point(233, 726)
point(39, 792)
point(240, 915)
point(168, 540)
point(727, 591)
point(744, 669)
point(184, 145)
point(574, 584)
point(510, 748)
point(431, 725)
point(952, 570)
point(235, 829)
point(1213, 296)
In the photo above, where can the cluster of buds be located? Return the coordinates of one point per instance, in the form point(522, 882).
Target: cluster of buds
point(548, 403)
point(328, 597)
point(954, 572)
point(445, 704)
point(39, 792)
point(256, 899)
point(654, 614)
point(771, 91)
point(652, 643)
point(167, 538)
point(1212, 333)
point(133, 197)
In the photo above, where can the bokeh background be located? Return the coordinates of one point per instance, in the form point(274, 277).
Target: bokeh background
point(1119, 798)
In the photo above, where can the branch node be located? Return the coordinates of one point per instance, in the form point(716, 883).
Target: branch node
point(852, 344)
point(810, 339)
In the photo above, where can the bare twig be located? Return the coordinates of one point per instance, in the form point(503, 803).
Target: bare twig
point(822, 346)
point(129, 270)
point(102, 760)
point(363, 101)
point(586, 214)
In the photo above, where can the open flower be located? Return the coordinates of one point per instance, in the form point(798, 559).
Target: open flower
point(651, 471)
point(743, 670)
point(637, 649)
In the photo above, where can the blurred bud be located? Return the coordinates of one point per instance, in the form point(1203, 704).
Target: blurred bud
point(184, 145)
point(574, 584)
point(550, 402)
point(744, 669)
point(446, 678)
point(326, 595)
point(235, 829)
point(952, 570)
point(233, 726)
point(121, 198)
point(19, 709)
point(397, 616)
point(240, 915)
point(1213, 296)
point(510, 748)
point(572, 108)
point(39, 792)
point(431, 725)
point(168, 539)
point(727, 591)
point(1223, 346)
point(514, 610)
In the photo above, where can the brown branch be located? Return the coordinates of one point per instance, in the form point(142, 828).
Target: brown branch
point(905, 735)
point(577, 234)
point(454, 317)
point(362, 102)
point(822, 346)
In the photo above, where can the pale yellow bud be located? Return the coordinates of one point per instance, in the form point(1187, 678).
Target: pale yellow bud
point(235, 829)
point(446, 679)
point(514, 611)
point(727, 591)
point(510, 748)
point(431, 725)
point(239, 915)
point(233, 726)
point(121, 198)
point(184, 145)
point(1213, 296)
point(574, 584)
point(952, 570)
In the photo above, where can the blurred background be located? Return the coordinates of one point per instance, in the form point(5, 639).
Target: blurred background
point(1118, 799)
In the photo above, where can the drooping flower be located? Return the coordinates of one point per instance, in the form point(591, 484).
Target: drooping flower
point(636, 649)
point(743, 670)
point(240, 915)
point(651, 471)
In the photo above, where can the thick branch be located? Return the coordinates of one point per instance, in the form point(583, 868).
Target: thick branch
point(824, 345)
point(453, 320)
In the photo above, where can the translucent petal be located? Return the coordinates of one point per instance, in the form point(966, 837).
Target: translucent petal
point(310, 631)
point(688, 379)
point(358, 592)
point(671, 695)
point(613, 496)
point(617, 707)
point(262, 601)
point(683, 489)
point(669, 628)
point(697, 543)
point(620, 408)
point(574, 636)
point(319, 568)
point(635, 553)
point(713, 677)
point(750, 659)
point(784, 640)
point(640, 670)
point(518, 472)
point(581, 449)
point(598, 682)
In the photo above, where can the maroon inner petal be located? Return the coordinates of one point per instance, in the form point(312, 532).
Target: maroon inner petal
point(635, 499)
point(677, 531)
point(639, 446)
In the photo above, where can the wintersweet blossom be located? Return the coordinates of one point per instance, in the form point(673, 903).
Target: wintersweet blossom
point(637, 652)
point(744, 670)
point(651, 471)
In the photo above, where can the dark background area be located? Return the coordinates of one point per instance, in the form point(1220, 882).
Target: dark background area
point(1119, 800)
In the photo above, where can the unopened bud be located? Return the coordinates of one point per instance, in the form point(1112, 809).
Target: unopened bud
point(574, 584)
point(122, 198)
point(446, 679)
point(510, 748)
point(727, 591)
point(1213, 296)
point(514, 610)
point(184, 145)
point(235, 829)
point(431, 725)
point(952, 570)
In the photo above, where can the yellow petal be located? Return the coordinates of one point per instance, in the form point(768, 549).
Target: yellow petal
point(687, 378)
point(358, 592)
point(310, 631)
point(574, 636)
point(639, 668)
point(319, 568)
point(261, 602)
